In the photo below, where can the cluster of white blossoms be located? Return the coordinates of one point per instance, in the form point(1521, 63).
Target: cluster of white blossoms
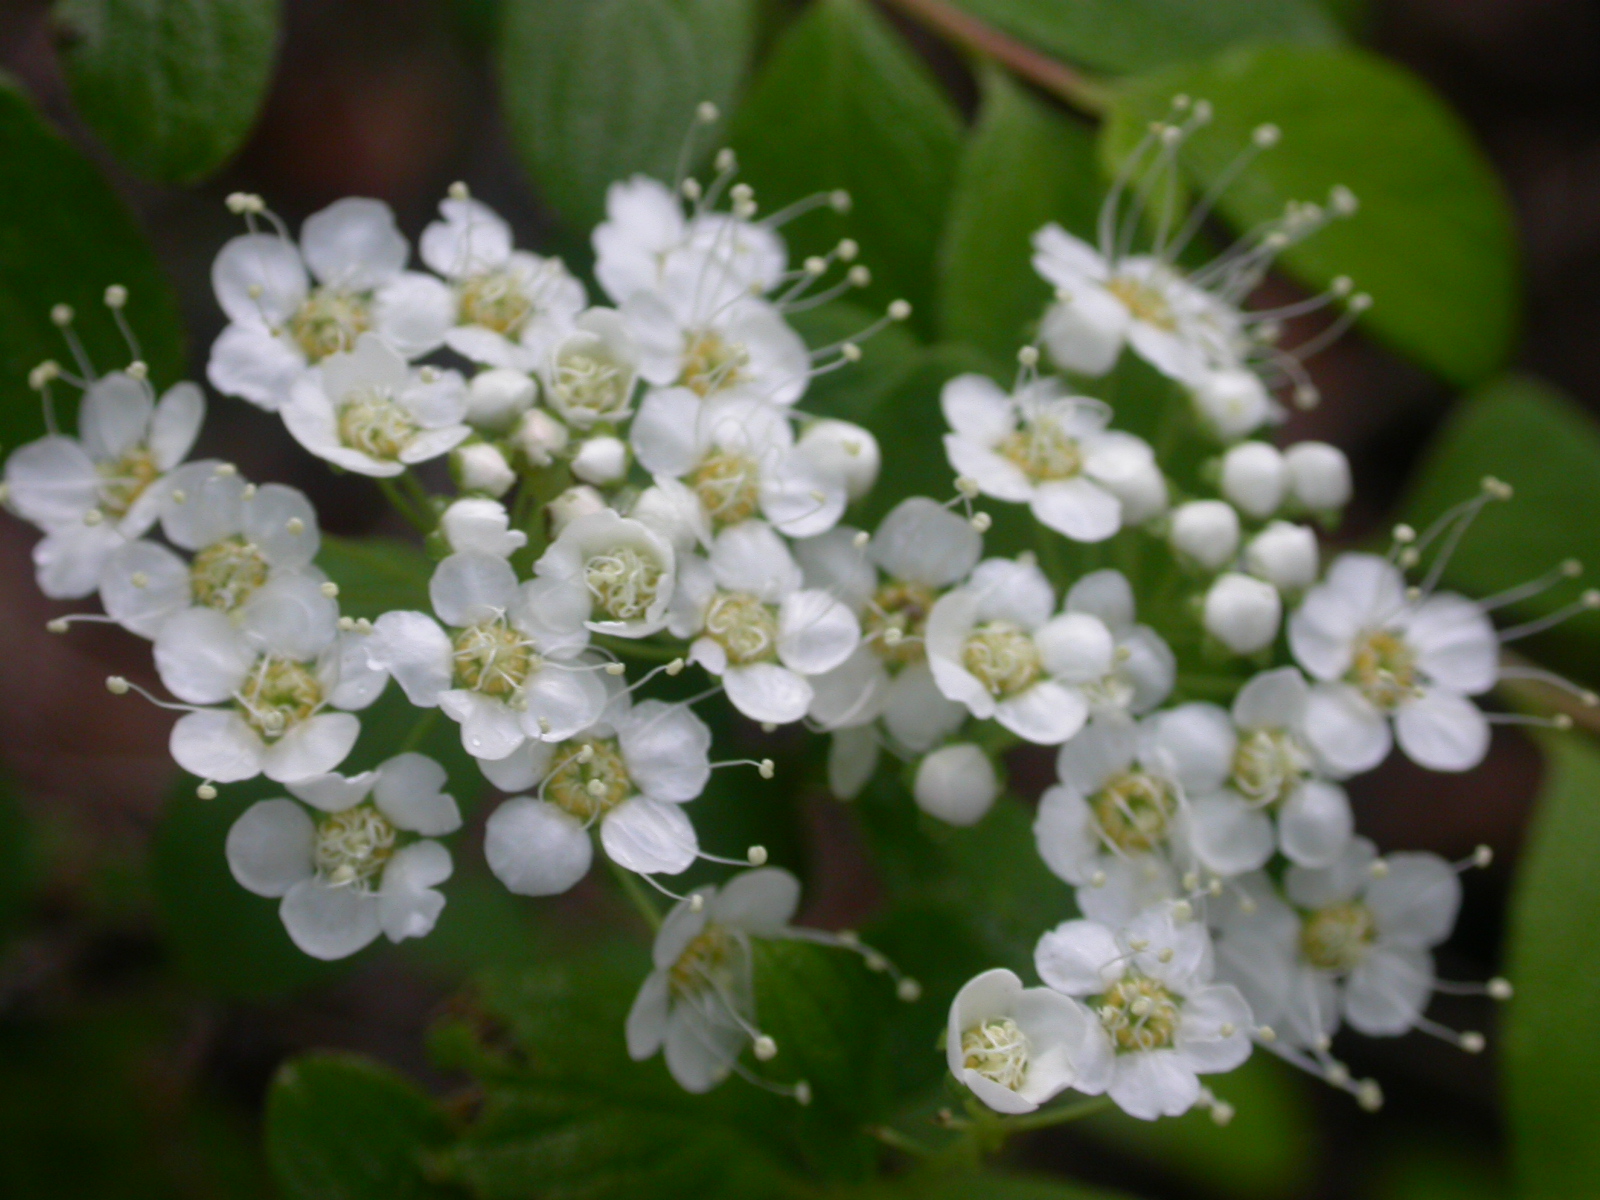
point(637, 481)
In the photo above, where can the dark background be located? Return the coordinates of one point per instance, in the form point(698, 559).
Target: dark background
point(393, 99)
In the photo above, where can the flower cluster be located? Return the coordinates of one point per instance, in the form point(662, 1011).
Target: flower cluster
point(638, 481)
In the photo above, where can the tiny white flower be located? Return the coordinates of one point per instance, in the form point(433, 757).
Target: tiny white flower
point(1242, 613)
point(273, 669)
point(619, 571)
point(1319, 476)
point(1206, 531)
point(480, 525)
point(630, 773)
point(480, 467)
point(510, 306)
point(1017, 1047)
point(1285, 555)
point(589, 375)
point(1143, 665)
point(366, 411)
point(1051, 451)
point(1254, 478)
point(281, 322)
point(698, 1005)
point(502, 658)
point(600, 460)
point(498, 397)
point(956, 783)
point(1233, 403)
point(93, 493)
point(1381, 655)
point(756, 627)
point(1161, 1021)
point(347, 870)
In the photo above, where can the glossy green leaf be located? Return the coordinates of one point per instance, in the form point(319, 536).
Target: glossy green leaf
point(1548, 449)
point(843, 103)
point(172, 87)
point(598, 90)
point(376, 575)
point(341, 1127)
point(64, 237)
point(1024, 165)
point(1552, 1065)
point(1137, 35)
point(1433, 242)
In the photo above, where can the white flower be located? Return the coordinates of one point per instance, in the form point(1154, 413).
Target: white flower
point(956, 783)
point(1379, 654)
point(1319, 475)
point(480, 467)
point(1285, 555)
point(739, 458)
point(698, 1004)
point(1017, 1047)
point(755, 626)
point(1144, 667)
point(92, 493)
point(993, 646)
point(1051, 451)
point(510, 306)
point(631, 772)
point(1242, 613)
point(589, 375)
point(1355, 943)
point(239, 535)
point(600, 460)
point(843, 450)
point(367, 412)
point(496, 398)
point(1161, 1021)
point(348, 872)
point(481, 525)
point(280, 323)
point(275, 667)
point(1234, 403)
point(1207, 531)
point(619, 571)
point(503, 663)
point(1254, 477)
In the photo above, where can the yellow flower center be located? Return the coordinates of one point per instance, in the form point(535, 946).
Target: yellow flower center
point(1134, 810)
point(1002, 657)
point(1268, 765)
point(710, 362)
point(226, 573)
point(1139, 1014)
point(1043, 450)
point(744, 626)
point(896, 620)
point(729, 487)
point(375, 423)
point(1146, 302)
point(712, 958)
point(623, 583)
point(277, 695)
point(591, 778)
point(495, 300)
point(329, 321)
point(1336, 938)
point(124, 480)
point(352, 846)
point(997, 1050)
point(1384, 668)
point(494, 658)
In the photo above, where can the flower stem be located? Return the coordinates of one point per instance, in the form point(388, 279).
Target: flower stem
point(1084, 94)
point(421, 498)
point(420, 730)
point(636, 893)
point(896, 1140)
point(402, 505)
point(1045, 1118)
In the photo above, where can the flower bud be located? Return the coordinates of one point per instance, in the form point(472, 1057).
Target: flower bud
point(600, 460)
point(846, 452)
point(1285, 555)
point(1143, 492)
point(1242, 613)
point(1233, 404)
point(956, 784)
point(480, 525)
point(480, 467)
point(1254, 477)
point(575, 502)
point(1319, 475)
point(497, 397)
point(539, 437)
point(1206, 531)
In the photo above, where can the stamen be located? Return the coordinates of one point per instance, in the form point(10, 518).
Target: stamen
point(1588, 602)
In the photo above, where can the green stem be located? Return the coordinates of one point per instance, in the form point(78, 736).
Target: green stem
point(1047, 546)
point(635, 892)
point(896, 1140)
point(402, 505)
point(420, 730)
point(421, 498)
point(629, 648)
point(1047, 1117)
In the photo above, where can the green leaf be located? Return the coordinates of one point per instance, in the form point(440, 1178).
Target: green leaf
point(1138, 35)
point(342, 1128)
point(842, 103)
point(173, 87)
point(1433, 242)
point(376, 575)
point(945, 1184)
point(598, 90)
point(64, 237)
point(1526, 433)
point(1024, 165)
point(1552, 1064)
point(851, 393)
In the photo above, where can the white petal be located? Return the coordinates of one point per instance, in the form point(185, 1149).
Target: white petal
point(1455, 644)
point(353, 244)
point(216, 744)
point(358, 683)
point(1315, 823)
point(1201, 1039)
point(535, 848)
point(1340, 881)
point(558, 703)
point(1102, 750)
point(921, 541)
point(851, 694)
point(1154, 1083)
point(1078, 509)
point(1347, 732)
point(412, 648)
point(646, 1027)
point(767, 692)
point(664, 431)
point(519, 770)
point(702, 1044)
point(142, 585)
point(1046, 714)
point(69, 562)
point(1078, 958)
point(1105, 594)
point(250, 363)
point(995, 476)
point(852, 760)
point(1272, 700)
point(1064, 836)
point(410, 792)
point(760, 902)
point(667, 750)
point(329, 922)
point(333, 792)
point(259, 280)
point(649, 837)
point(213, 507)
point(471, 240)
point(175, 424)
point(52, 481)
point(201, 657)
point(290, 616)
point(1085, 331)
point(1075, 647)
point(1012, 591)
point(1065, 260)
point(1416, 902)
point(916, 713)
point(1229, 836)
point(468, 588)
point(413, 312)
point(408, 905)
point(815, 632)
point(750, 557)
point(1442, 731)
point(1386, 994)
point(269, 847)
point(489, 729)
point(977, 409)
point(1195, 743)
point(313, 747)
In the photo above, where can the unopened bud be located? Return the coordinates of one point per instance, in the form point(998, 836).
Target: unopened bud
point(1243, 613)
point(1254, 476)
point(957, 784)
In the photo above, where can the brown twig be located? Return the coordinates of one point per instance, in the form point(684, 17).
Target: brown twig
point(1055, 77)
